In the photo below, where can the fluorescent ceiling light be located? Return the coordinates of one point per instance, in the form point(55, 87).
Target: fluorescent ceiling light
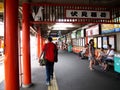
point(63, 25)
point(67, 20)
point(59, 28)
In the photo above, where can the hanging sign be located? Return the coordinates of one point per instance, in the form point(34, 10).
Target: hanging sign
point(87, 14)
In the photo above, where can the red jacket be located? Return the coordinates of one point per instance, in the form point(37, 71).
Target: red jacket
point(49, 49)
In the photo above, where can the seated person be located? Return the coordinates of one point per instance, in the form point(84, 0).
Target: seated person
point(84, 51)
point(101, 56)
point(109, 57)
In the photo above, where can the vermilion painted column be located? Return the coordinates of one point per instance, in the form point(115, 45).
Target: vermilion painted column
point(43, 41)
point(0, 43)
point(38, 42)
point(26, 46)
point(11, 45)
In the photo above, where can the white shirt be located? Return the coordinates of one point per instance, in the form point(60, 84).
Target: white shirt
point(110, 52)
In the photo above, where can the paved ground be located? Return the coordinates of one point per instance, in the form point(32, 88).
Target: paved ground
point(1, 68)
point(72, 73)
point(1, 73)
point(1, 59)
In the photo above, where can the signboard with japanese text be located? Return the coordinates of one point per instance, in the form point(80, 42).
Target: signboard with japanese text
point(89, 32)
point(87, 14)
point(117, 26)
point(44, 13)
point(107, 28)
point(94, 30)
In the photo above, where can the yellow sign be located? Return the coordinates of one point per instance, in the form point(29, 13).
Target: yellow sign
point(1, 7)
point(107, 26)
point(54, 38)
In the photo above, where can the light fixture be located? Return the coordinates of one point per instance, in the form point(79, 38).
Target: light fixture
point(61, 26)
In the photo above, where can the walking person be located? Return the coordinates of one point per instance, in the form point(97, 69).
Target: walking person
point(91, 54)
point(50, 52)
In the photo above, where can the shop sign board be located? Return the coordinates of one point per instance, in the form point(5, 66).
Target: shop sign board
point(87, 14)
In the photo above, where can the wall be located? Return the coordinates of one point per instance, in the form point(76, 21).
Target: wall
point(118, 42)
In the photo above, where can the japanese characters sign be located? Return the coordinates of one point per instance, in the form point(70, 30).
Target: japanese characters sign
point(87, 14)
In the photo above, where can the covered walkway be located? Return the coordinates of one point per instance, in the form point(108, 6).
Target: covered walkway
point(48, 14)
point(71, 73)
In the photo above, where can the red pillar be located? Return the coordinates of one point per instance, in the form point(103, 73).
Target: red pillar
point(38, 42)
point(11, 45)
point(0, 43)
point(43, 41)
point(26, 46)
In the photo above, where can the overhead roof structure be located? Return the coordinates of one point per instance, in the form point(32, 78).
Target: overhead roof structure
point(86, 2)
point(46, 28)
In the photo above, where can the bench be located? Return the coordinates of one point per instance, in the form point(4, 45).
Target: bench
point(111, 63)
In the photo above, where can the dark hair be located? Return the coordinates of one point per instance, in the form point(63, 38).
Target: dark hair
point(50, 39)
point(102, 48)
point(91, 40)
point(110, 45)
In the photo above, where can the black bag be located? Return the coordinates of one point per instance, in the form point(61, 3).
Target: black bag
point(56, 54)
point(80, 53)
point(42, 60)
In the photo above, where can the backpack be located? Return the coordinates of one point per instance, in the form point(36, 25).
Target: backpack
point(55, 54)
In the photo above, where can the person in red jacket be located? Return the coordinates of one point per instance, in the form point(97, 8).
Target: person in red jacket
point(49, 49)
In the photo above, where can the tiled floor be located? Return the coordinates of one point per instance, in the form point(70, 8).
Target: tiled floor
point(53, 85)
